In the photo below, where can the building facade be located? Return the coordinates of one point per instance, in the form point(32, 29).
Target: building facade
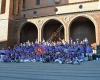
point(23, 20)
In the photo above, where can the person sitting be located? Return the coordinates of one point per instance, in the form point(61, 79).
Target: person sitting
point(58, 60)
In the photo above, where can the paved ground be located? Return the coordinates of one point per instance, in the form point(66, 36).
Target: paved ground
point(40, 71)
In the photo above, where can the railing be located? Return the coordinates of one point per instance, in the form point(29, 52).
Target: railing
point(55, 33)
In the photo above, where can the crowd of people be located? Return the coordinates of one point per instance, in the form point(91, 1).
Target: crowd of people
point(49, 52)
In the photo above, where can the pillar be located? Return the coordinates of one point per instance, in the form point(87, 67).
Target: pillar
point(39, 35)
point(7, 6)
point(67, 34)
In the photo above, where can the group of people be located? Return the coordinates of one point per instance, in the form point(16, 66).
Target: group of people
point(49, 52)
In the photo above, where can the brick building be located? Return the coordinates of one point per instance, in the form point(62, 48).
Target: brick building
point(22, 20)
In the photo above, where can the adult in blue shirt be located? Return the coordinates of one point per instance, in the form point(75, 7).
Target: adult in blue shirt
point(89, 52)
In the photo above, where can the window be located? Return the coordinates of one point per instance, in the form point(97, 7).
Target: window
point(57, 1)
point(16, 7)
point(2, 6)
point(24, 3)
point(51, 2)
point(37, 2)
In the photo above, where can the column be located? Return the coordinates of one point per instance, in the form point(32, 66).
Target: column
point(67, 34)
point(7, 6)
point(99, 33)
point(99, 5)
point(97, 30)
point(39, 35)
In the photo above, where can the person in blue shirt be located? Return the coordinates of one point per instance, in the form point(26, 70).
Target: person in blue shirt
point(89, 52)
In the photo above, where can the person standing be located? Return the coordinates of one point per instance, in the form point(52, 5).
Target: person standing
point(89, 52)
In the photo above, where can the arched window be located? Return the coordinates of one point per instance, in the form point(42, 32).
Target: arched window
point(81, 28)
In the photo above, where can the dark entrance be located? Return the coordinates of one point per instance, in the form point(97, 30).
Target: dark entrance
point(82, 28)
point(28, 32)
point(53, 31)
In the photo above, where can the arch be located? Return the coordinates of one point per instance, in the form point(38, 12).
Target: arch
point(54, 18)
point(28, 31)
point(50, 27)
point(85, 20)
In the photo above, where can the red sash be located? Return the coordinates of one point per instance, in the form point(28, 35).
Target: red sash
point(40, 51)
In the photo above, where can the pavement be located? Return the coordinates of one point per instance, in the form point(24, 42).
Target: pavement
point(50, 71)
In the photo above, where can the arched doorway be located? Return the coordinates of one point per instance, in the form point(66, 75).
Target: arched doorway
point(81, 28)
point(53, 30)
point(28, 32)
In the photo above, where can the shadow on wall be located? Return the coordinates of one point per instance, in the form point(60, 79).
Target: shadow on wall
point(13, 29)
point(98, 49)
point(3, 44)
